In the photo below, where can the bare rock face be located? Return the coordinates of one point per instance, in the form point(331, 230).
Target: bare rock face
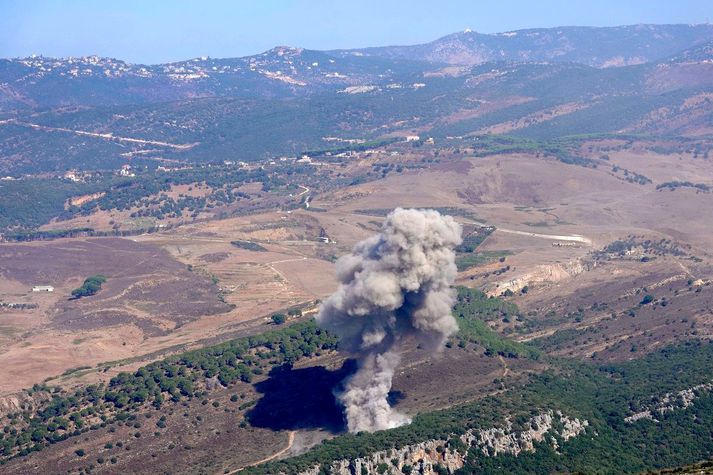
point(424, 457)
point(542, 427)
point(22, 401)
point(671, 402)
point(543, 274)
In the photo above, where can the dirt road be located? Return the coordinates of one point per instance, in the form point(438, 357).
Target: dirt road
point(556, 237)
point(290, 441)
point(107, 136)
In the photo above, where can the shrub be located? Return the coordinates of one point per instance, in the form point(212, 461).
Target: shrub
point(91, 286)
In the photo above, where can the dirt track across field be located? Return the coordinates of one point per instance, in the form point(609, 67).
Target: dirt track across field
point(290, 441)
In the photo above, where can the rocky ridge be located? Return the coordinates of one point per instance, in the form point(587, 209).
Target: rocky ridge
point(432, 456)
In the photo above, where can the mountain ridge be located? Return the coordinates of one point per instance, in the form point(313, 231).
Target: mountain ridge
point(56, 114)
point(469, 47)
point(455, 35)
point(39, 82)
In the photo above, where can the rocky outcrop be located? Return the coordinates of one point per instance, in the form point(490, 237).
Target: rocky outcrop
point(545, 273)
point(671, 402)
point(23, 401)
point(428, 457)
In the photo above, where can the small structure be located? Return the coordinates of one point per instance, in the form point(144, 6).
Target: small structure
point(412, 138)
point(71, 175)
point(565, 244)
point(126, 171)
point(43, 288)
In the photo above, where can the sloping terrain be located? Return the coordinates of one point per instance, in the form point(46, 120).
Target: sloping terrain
point(215, 195)
point(598, 47)
point(557, 100)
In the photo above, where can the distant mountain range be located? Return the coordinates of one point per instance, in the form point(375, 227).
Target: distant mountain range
point(40, 82)
point(597, 47)
point(282, 71)
point(541, 84)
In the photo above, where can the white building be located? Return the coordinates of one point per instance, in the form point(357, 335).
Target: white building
point(43, 288)
point(72, 176)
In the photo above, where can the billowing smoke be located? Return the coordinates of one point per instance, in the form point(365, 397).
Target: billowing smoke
point(395, 284)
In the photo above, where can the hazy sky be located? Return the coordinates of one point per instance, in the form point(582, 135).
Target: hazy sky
point(152, 31)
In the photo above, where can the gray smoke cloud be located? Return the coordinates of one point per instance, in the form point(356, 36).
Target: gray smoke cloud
point(397, 283)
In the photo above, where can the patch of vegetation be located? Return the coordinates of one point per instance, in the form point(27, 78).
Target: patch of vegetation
point(279, 318)
point(537, 224)
point(24, 236)
point(31, 202)
point(248, 245)
point(466, 261)
point(473, 309)
point(466, 254)
point(28, 203)
point(465, 213)
point(352, 147)
point(474, 238)
point(606, 115)
point(630, 176)
point(662, 247)
point(560, 337)
point(560, 149)
point(672, 185)
point(445, 210)
point(91, 286)
point(72, 371)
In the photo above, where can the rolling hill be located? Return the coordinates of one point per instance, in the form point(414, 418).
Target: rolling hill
point(92, 112)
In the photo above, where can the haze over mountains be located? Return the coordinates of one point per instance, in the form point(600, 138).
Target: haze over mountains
point(285, 70)
point(598, 47)
point(539, 83)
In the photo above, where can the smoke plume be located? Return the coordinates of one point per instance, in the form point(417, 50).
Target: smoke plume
point(397, 283)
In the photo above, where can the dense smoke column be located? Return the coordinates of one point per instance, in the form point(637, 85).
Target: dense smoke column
point(393, 284)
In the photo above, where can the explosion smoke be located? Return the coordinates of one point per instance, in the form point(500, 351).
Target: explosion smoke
point(393, 284)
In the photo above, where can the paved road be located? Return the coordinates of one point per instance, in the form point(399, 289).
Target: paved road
point(556, 237)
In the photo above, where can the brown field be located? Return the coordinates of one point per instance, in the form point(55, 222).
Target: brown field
point(164, 291)
point(155, 302)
